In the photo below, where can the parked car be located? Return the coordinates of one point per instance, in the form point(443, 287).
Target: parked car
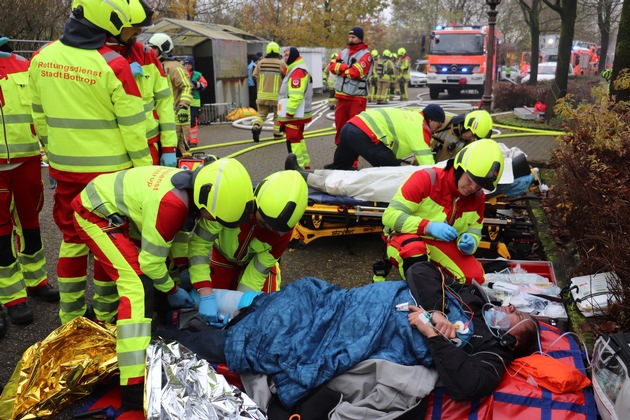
point(417, 79)
point(547, 71)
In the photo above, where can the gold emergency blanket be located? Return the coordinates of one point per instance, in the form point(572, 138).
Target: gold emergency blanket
point(181, 386)
point(59, 370)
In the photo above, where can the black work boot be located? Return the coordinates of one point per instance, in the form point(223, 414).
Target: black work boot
point(256, 133)
point(291, 163)
point(20, 314)
point(46, 293)
point(3, 324)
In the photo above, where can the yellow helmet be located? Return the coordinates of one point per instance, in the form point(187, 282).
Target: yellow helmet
point(482, 161)
point(387, 53)
point(272, 47)
point(374, 53)
point(111, 15)
point(141, 13)
point(479, 123)
point(333, 56)
point(225, 190)
point(394, 55)
point(281, 199)
point(162, 42)
point(402, 51)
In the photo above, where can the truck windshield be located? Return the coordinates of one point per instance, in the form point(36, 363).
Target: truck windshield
point(457, 44)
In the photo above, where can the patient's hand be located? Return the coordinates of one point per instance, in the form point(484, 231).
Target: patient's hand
point(443, 324)
point(417, 319)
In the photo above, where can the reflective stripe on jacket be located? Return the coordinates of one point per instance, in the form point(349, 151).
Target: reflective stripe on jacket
point(18, 140)
point(405, 132)
point(268, 74)
point(297, 90)
point(143, 195)
point(250, 245)
point(431, 195)
point(345, 85)
point(87, 110)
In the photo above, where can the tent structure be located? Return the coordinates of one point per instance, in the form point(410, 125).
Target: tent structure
point(221, 53)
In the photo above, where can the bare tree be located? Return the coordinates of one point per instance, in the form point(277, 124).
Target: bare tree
point(567, 9)
point(531, 13)
point(607, 15)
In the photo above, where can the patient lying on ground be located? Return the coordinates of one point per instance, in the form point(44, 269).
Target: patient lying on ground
point(312, 331)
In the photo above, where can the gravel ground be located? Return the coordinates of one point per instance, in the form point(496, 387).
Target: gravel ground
point(345, 260)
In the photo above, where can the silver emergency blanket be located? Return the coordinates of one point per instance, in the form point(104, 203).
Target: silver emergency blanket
point(381, 183)
point(180, 386)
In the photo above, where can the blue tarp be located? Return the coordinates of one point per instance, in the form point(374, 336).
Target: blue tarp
point(312, 331)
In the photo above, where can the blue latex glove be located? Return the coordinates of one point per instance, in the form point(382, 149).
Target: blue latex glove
point(209, 311)
point(180, 299)
point(168, 159)
point(136, 69)
point(441, 230)
point(3, 41)
point(466, 244)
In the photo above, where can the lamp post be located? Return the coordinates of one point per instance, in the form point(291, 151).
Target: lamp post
point(486, 99)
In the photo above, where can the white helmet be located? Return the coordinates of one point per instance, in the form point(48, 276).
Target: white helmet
point(162, 42)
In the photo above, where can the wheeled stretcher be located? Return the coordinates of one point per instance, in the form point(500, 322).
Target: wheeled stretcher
point(504, 234)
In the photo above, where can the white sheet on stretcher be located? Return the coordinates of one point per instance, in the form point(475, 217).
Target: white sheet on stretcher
point(381, 183)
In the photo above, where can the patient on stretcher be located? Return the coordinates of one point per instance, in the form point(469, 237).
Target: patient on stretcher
point(468, 341)
point(379, 184)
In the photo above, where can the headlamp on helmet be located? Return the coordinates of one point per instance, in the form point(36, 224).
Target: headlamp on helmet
point(281, 199)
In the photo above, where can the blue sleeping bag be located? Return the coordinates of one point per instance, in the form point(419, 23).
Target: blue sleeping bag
point(312, 331)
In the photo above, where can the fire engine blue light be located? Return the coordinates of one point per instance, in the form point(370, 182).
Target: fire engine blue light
point(439, 27)
point(464, 70)
point(444, 69)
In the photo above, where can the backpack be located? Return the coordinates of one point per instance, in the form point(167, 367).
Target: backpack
point(611, 366)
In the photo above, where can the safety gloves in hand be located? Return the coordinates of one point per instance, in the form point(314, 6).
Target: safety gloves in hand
point(180, 299)
point(441, 230)
point(136, 69)
point(182, 115)
point(466, 244)
point(209, 311)
point(168, 159)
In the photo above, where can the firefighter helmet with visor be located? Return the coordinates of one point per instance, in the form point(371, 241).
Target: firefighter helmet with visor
point(482, 161)
point(225, 190)
point(281, 199)
point(479, 123)
point(111, 15)
point(162, 42)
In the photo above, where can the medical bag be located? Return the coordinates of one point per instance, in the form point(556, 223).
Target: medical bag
point(611, 365)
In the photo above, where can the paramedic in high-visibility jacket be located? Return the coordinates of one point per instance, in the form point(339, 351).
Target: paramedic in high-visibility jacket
point(89, 115)
point(437, 214)
point(352, 66)
point(153, 84)
point(179, 84)
point(295, 104)
point(149, 205)
point(384, 136)
point(246, 258)
point(22, 262)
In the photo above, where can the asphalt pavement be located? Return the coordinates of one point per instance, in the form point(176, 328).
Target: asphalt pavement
point(344, 260)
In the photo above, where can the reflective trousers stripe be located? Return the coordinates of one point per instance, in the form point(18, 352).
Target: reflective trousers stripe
point(461, 267)
point(12, 285)
point(72, 280)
